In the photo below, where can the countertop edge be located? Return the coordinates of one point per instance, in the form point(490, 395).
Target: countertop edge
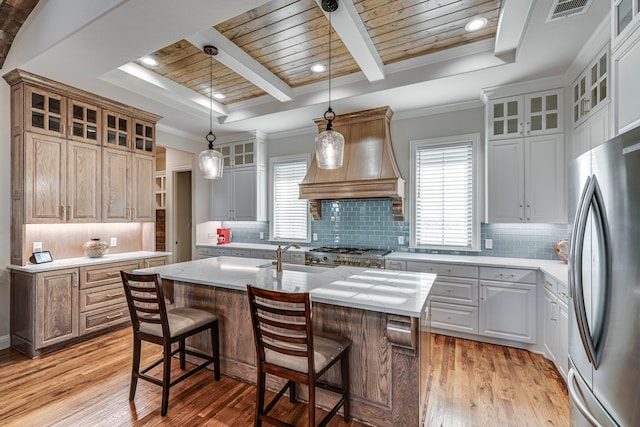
point(85, 261)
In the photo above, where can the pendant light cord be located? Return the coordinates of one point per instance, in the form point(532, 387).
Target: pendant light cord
point(330, 26)
point(211, 97)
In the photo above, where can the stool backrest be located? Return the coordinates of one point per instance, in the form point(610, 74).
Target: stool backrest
point(281, 323)
point(145, 300)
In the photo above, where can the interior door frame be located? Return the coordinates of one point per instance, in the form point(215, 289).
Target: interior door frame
point(174, 216)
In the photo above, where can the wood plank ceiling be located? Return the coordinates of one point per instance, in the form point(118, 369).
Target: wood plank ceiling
point(288, 36)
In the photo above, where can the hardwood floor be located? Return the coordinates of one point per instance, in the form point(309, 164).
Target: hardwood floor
point(473, 384)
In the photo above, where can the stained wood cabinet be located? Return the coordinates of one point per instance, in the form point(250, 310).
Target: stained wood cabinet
point(55, 307)
point(60, 136)
point(240, 194)
point(62, 180)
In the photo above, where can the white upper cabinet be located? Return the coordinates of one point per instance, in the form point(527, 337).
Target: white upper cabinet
point(241, 193)
point(531, 114)
point(625, 65)
point(590, 90)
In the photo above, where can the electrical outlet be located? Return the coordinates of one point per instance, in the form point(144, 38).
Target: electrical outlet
point(262, 235)
point(488, 243)
point(315, 236)
point(401, 240)
point(114, 242)
point(37, 246)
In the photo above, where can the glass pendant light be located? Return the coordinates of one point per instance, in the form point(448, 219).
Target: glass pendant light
point(210, 160)
point(329, 144)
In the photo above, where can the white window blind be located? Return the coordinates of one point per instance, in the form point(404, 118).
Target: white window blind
point(444, 195)
point(290, 220)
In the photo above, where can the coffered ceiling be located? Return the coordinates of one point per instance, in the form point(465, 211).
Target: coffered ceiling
point(413, 55)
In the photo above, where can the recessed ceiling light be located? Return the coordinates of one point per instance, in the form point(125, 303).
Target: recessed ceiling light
point(219, 96)
point(318, 68)
point(152, 62)
point(475, 24)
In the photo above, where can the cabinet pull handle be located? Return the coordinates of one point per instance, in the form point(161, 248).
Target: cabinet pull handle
point(528, 212)
point(521, 129)
point(553, 302)
point(113, 274)
point(119, 294)
point(69, 213)
point(62, 213)
point(115, 316)
point(74, 278)
point(521, 212)
point(528, 128)
point(553, 318)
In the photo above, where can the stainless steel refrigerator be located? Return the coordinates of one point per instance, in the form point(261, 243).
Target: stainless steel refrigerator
point(604, 280)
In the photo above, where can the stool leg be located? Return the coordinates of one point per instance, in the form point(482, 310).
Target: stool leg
point(261, 385)
point(344, 365)
point(312, 403)
point(135, 367)
point(166, 379)
point(292, 392)
point(215, 345)
point(183, 363)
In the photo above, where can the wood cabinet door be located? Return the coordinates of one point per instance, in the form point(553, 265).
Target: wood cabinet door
point(142, 188)
point(116, 128)
point(562, 359)
point(144, 141)
point(505, 180)
point(83, 182)
point(57, 306)
point(115, 185)
point(544, 179)
point(84, 122)
point(44, 111)
point(45, 179)
point(508, 311)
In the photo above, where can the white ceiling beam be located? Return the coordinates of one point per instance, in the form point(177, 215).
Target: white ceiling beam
point(240, 62)
point(512, 24)
point(347, 23)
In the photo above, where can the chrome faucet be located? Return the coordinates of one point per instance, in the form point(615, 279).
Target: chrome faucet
point(279, 252)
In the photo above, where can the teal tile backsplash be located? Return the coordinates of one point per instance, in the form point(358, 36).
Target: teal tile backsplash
point(370, 224)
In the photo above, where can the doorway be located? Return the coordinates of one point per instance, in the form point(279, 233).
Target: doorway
point(182, 216)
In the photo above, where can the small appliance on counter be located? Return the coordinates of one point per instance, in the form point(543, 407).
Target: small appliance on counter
point(224, 235)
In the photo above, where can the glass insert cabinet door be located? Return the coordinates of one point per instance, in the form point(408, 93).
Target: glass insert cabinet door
point(506, 117)
point(591, 89)
point(45, 112)
point(116, 130)
point(543, 113)
point(144, 138)
point(238, 154)
point(84, 122)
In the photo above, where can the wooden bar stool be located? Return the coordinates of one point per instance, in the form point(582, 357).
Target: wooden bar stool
point(153, 323)
point(287, 347)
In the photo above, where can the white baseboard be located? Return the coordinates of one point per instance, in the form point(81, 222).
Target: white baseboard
point(5, 342)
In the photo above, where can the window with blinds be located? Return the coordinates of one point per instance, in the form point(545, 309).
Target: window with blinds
point(444, 194)
point(290, 214)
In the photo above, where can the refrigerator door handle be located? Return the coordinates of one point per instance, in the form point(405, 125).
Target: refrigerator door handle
point(577, 400)
point(602, 322)
point(577, 245)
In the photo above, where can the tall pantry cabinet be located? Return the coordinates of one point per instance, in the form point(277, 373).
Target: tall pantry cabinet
point(61, 164)
point(525, 158)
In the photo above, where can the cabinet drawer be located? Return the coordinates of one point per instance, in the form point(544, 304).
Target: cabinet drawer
point(550, 283)
point(103, 318)
point(563, 292)
point(105, 274)
point(266, 254)
point(454, 317)
point(455, 291)
point(241, 253)
point(154, 262)
point(395, 265)
point(508, 274)
point(455, 270)
point(103, 296)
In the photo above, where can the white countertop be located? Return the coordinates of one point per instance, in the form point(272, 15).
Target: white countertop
point(386, 291)
point(557, 269)
point(258, 246)
point(58, 264)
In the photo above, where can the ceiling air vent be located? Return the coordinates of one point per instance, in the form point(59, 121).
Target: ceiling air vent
point(564, 8)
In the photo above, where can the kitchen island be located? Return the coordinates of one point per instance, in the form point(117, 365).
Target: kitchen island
point(384, 313)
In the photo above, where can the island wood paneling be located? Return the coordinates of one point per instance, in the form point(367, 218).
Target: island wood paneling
point(386, 380)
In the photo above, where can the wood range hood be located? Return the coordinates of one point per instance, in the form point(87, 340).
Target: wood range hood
point(369, 169)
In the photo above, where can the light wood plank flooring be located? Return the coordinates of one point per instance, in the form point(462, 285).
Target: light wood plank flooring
point(473, 384)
